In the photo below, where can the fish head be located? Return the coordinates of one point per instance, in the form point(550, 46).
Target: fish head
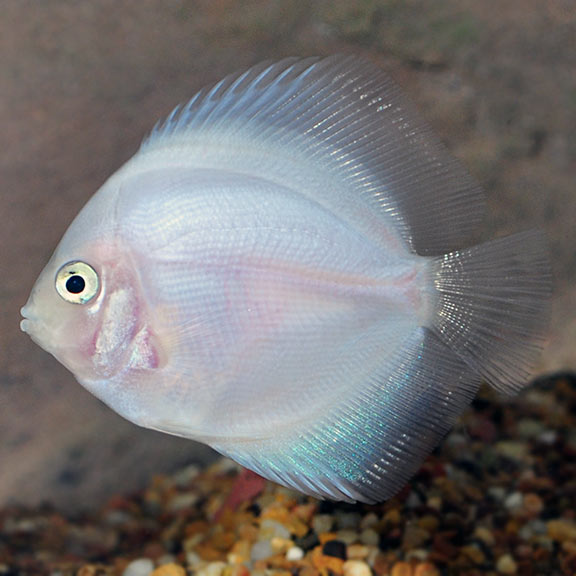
point(69, 310)
point(86, 307)
point(62, 327)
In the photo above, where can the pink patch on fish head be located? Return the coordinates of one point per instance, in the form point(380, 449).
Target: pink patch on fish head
point(103, 336)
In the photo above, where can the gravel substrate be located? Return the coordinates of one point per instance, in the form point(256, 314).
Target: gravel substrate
point(498, 497)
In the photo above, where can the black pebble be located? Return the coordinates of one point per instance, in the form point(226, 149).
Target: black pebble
point(308, 542)
point(335, 548)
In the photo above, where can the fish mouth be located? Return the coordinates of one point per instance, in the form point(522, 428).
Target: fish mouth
point(33, 326)
point(26, 323)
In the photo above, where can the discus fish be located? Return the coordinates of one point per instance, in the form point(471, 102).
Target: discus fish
point(284, 272)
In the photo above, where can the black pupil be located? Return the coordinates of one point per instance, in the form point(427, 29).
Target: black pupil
point(75, 284)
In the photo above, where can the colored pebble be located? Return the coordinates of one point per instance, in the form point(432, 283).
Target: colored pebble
point(169, 570)
point(506, 565)
point(347, 520)
point(356, 568)
point(324, 563)
point(562, 530)
point(426, 569)
point(139, 567)
point(475, 554)
point(369, 520)
point(261, 550)
point(402, 569)
point(294, 554)
point(532, 504)
point(513, 501)
point(414, 536)
point(322, 523)
point(272, 529)
point(516, 451)
point(347, 536)
point(485, 535)
point(475, 508)
point(369, 537)
point(212, 569)
point(358, 551)
point(335, 548)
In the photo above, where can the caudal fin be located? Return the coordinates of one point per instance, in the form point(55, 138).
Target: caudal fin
point(493, 306)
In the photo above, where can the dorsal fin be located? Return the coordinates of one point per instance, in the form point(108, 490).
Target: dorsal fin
point(349, 116)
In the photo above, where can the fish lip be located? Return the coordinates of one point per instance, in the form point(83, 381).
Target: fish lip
point(26, 323)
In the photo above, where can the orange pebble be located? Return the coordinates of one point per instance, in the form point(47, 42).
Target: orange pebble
point(169, 570)
point(240, 552)
point(532, 504)
point(197, 527)
point(305, 512)
point(236, 570)
point(208, 553)
point(402, 569)
point(426, 569)
point(247, 531)
point(381, 565)
point(223, 540)
point(88, 570)
point(308, 570)
point(326, 537)
point(286, 517)
point(326, 563)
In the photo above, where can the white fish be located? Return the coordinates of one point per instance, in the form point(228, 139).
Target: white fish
point(281, 272)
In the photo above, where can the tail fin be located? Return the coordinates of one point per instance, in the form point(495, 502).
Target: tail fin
point(493, 306)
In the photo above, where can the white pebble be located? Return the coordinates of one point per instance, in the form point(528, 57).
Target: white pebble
point(212, 569)
point(261, 550)
point(294, 554)
point(183, 501)
point(358, 551)
point(184, 477)
point(140, 567)
point(514, 501)
point(271, 529)
point(419, 554)
point(193, 559)
point(548, 437)
point(497, 492)
point(166, 559)
point(356, 568)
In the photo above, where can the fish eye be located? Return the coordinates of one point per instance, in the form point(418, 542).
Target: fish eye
point(77, 282)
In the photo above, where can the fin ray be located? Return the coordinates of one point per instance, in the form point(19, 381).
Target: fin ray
point(372, 443)
point(493, 307)
point(351, 119)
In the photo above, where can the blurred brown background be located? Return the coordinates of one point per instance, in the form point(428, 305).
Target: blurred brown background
point(81, 83)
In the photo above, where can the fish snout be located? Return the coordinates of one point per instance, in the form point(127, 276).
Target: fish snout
point(25, 324)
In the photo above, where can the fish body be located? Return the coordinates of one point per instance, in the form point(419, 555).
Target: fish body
point(281, 272)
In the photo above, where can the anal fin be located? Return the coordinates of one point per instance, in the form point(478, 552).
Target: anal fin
point(371, 443)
